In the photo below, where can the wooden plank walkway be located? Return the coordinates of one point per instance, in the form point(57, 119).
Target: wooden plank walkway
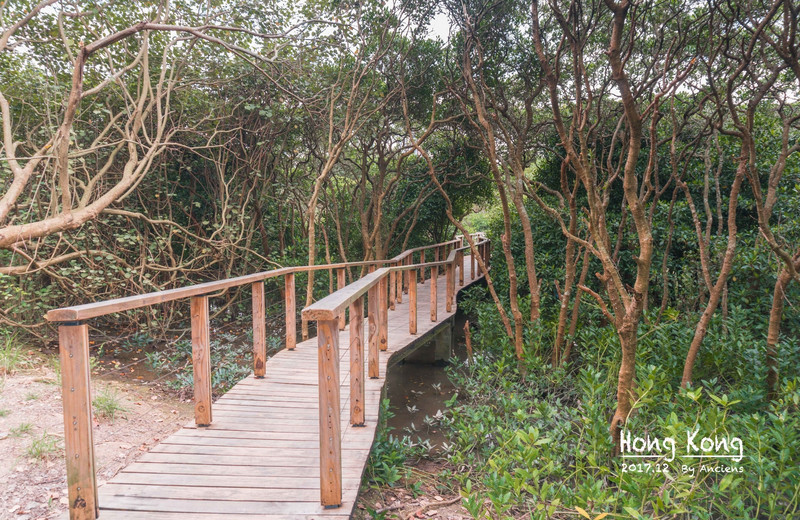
point(259, 459)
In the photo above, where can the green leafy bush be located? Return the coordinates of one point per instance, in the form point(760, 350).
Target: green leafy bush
point(539, 445)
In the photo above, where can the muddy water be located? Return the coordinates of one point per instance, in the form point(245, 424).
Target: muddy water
point(416, 390)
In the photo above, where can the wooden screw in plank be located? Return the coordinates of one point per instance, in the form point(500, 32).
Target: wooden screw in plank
point(357, 362)
point(259, 331)
point(291, 312)
point(412, 301)
point(383, 314)
point(450, 289)
point(201, 360)
point(330, 439)
point(373, 303)
point(73, 341)
point(434, 290)
point(340, 284)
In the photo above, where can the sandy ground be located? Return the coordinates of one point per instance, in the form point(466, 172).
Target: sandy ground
point(30, 410)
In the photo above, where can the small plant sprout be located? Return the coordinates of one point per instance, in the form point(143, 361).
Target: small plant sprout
point(42, 447)
point(108, 403)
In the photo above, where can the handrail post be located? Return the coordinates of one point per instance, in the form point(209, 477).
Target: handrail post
point(451, 282)
point(434, 290)
point(407, 273)
point(412, 301)
point(461, 268)
point(201, 360)
point(392, 289)
point(383, 314)
point(291, 312)
point(422, 269)
point(330, 439)
point(373, 303)
point(340, 284)
point(73, 341)
point(399, 280)
point(259, 331)
point(357, 362)
point(472, 264)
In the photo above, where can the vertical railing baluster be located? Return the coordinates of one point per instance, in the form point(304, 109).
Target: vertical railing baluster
point(434, 291)
point(291, 312)
point(330, 439)
point(392, 288)
point(399, 279)
point(373, 304)
point(450, 287)
point(201, 360)
point(422, 269)
point(383, 314)
point(73, 341)
point(472, 264)
point(259, 331)
point(461, 268)
point(412, 301)
point(340, 284)
point(357, 362)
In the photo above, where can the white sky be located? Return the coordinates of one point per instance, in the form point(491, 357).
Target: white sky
point(440, 27)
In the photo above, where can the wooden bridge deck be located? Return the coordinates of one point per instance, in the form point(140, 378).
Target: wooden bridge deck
point(259, 459)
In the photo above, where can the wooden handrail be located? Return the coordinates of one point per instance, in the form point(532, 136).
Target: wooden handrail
point(326, 312)
point(329, 312)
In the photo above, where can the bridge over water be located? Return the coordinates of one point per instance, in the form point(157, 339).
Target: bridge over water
point(292, 439)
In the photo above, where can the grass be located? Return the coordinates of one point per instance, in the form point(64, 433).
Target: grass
point(55, 365)
point(21, 429)
point(108, 403)
point(31, 396)
point(4, 412)
point(42, 447)
point(12, 356)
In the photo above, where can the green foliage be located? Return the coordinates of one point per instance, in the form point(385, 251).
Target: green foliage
point(108, 403)
point(231, 360)
point(21, 429)
point(534, 444)
point(43, 447)
point(386, 464)
point(12, 356)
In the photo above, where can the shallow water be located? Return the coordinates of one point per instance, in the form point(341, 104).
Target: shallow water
point(416, 390)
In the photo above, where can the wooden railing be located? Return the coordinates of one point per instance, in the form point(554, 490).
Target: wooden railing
point(383, 286)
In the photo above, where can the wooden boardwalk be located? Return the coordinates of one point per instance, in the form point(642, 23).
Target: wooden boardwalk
point(259, 458)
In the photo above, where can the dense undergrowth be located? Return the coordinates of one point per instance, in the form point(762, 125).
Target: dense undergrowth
point(530, 439)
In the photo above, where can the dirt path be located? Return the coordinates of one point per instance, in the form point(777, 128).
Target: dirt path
point(32, 474)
